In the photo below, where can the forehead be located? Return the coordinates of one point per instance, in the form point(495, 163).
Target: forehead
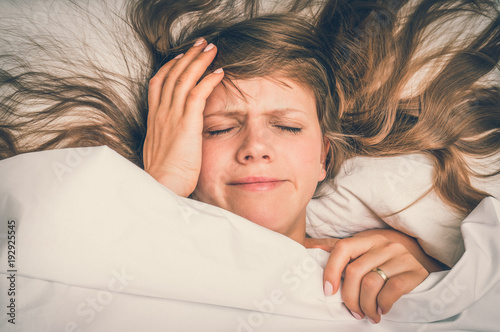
point(260, 95)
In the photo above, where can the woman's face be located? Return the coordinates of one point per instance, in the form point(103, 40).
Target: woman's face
point(263, 154)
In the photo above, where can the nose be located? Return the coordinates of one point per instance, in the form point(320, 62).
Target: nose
point(256, 146)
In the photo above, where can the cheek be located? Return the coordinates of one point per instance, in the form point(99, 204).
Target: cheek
point(308, 155)
point(306, 160)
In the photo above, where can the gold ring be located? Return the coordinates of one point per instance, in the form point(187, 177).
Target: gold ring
point(381, 273)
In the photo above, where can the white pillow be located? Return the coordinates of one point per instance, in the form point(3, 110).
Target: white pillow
point(369, 192)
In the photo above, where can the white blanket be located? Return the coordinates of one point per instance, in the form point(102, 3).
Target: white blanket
point(101, 246)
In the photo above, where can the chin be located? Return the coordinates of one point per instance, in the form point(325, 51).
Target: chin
point(272, 220)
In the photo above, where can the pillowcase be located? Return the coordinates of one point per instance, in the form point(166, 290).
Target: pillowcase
point(384, 192)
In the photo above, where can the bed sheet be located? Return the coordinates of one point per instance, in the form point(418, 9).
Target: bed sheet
point(100, 246)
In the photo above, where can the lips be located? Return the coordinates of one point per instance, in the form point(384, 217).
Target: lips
point(257, 183)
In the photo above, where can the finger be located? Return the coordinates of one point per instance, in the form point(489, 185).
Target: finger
point(357, 271)
point(371, 285)
point(377, 295)
point(154, 99)
point(326, 244)
point(156, 85)
point(311, 243)
point(342, 253)
point(178, 69)
point(187, 81)
point(324, 247)
point(196, 101)
point(397, 286)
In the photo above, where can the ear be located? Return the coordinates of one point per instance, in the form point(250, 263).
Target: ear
point(324, 153)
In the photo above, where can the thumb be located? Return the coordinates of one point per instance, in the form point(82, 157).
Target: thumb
point(326, 244)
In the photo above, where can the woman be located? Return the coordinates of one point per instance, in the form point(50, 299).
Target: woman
point(259, 143)
point(351, 61)
point(257, 148)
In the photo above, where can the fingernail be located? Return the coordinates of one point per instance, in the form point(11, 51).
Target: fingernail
point(379, 311)
point(356, 315)
point(199, 42)
point(328, 289)
point(371, 320)
point(209, 47)
point(218, 71)
point(178, 56)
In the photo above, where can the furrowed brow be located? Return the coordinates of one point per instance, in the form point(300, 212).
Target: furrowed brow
point(226, 113)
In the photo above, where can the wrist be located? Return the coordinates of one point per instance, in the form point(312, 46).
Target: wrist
point(174, 183)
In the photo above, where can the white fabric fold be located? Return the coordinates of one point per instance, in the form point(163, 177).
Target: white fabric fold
point(391, 192)
point(100, 245)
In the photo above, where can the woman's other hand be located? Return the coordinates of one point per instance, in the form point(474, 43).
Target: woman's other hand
point(365, 292)
point(172, 149)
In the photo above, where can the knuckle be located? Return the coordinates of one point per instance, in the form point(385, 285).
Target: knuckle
point(352, 271)
point(370, 281)
point(194, 94)
point(181, 80)
point(396, 285)
point(155, 80)
point(379, 238)
point(342, 245)
point(396, 247)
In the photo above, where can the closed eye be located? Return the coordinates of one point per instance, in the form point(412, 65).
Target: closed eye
point(292, 130)
point(213, 133)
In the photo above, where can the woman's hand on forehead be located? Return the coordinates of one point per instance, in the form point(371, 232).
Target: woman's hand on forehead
point(173, 145)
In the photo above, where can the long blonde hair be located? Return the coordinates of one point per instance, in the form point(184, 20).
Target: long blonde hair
point(360, 58)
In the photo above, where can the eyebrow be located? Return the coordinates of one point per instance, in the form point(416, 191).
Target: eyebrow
point(234, 113)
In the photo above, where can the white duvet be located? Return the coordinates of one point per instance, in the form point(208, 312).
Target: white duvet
point(101, 246)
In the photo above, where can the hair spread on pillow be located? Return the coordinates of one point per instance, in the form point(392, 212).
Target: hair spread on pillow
point(389, 77)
